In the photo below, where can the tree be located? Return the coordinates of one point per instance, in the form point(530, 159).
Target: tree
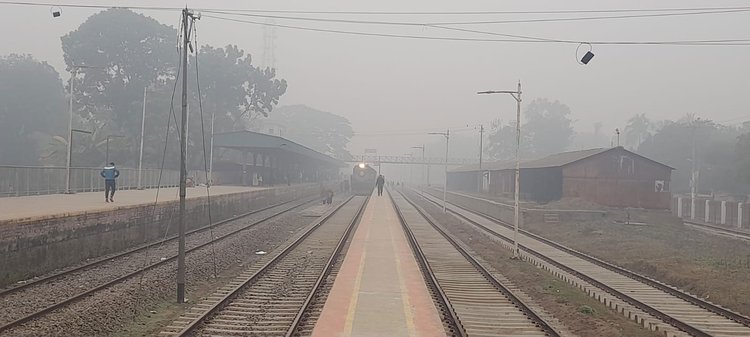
point(501, 141)
point(138, 52)
point(637, 130)
point(32, 108)
point(547, 126)
point(319, 130)
point(234, 89)
point(742, 153)
point(715, 147)
point(135, 52)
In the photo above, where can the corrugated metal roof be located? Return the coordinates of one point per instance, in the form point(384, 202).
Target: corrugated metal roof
point(254, 141)
point(561, 159)
point(554, 160)
point(486, 166)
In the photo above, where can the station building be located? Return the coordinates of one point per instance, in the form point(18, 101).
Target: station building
point(612, 177)
point(255, 159)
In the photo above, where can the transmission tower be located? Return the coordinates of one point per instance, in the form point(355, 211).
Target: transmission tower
point(269, 44)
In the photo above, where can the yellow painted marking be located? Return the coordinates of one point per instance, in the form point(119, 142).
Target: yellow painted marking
point(349, 325)
point(404, 294)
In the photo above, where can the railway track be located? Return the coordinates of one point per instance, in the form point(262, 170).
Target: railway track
point(478, 304)
point(27, 304)
point(685, 312)
point(272, 298)
point(733, 233)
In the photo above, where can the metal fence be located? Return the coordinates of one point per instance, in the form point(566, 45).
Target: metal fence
point(37, 180)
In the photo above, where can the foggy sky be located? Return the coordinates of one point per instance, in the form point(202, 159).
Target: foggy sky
point(387, 85)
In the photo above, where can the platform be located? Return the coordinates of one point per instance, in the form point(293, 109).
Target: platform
point(379, 290)
point(57, 205)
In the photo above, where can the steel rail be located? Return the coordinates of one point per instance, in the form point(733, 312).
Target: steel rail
point(99, 261)
point(451, 318)
point(540, 322)
point(721, 230)
point(642, 306)
point(326, 271)
point(127, 276)
point(190, 328)
point(739, 318)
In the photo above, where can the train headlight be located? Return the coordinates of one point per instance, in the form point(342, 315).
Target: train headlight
point(362, 165)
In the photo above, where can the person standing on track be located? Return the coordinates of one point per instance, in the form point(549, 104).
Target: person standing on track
point(110, 173)
point(379, 183)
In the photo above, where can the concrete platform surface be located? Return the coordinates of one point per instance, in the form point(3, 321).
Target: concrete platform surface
point(379, 290)
point(56, 205)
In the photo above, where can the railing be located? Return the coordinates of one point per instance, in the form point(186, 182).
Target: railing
point(37, 180)
point(374, 159)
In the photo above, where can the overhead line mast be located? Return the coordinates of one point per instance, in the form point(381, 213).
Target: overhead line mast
point(186, 15)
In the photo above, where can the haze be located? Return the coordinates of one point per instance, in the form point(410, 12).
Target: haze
point(388, 85)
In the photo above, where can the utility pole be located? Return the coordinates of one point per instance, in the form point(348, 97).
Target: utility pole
point(70, 132)
point(445, 181)
point(517, 96)
point(445, 168)
point(693, 179)
point(186, 15)
point(211, 154)
point(481, 174)
point(422, 176)
point(140, 153)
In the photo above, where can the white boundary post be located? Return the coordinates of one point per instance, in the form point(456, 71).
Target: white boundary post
point(706, 213)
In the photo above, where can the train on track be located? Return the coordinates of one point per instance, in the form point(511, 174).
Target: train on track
point(363, 179)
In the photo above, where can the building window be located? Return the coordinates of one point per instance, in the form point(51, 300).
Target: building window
point(661, 186)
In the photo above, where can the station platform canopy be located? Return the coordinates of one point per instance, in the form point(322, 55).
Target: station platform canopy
point(269, 144)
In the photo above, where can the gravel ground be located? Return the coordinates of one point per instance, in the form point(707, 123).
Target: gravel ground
point(567, 304)
point(282, 289)
point(116, 309)
point(36, 297)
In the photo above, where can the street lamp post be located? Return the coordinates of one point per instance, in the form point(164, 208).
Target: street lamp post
point(517, 96)
point(70, 156)
point(140, 152)
point(481, 174)
point(693, 174)
point(211, 154)
point(422, 176)
point(445, 182)
point(73, 73)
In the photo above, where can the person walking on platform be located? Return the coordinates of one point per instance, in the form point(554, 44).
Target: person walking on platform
point(379, 183)
point(109, 173)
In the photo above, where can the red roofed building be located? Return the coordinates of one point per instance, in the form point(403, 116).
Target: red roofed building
point(608, 176)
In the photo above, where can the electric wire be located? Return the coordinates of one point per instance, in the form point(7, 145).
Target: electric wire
point(529, 39)
point(476, 22)
point(170, 115)
point(205, 160)
point(312, 12)
point(443, 25)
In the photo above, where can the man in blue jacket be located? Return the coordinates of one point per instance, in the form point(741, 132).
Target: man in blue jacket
point(110, 173)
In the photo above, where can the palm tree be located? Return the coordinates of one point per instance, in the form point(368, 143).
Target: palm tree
point(637, 130)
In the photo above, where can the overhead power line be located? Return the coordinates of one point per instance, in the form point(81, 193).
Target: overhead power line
point(480, 22)
point(311, 12)
point(516, 38)
point(511, 38)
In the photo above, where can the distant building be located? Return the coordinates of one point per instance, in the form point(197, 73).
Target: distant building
point(608, 176)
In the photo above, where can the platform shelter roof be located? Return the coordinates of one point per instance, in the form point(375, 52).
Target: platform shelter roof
point(259, 142)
